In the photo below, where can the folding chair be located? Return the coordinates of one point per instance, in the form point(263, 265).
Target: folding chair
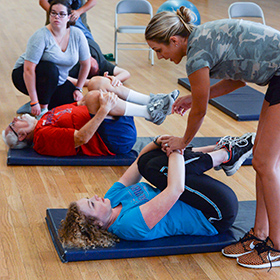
point(132, 7)
point(245, 9)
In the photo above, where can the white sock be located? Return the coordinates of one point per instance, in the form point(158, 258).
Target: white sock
point(138, 98)
point(135, 110)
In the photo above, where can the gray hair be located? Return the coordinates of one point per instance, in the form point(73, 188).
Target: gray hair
point(12, 141)
point(166, 24)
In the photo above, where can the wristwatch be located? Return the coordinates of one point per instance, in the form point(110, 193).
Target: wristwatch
point(79, 89)
point(155, 141)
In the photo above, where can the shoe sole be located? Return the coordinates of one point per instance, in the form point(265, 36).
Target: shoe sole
point(235, 255)
point(24, 109)
point(176, 92)
point(230, 170)
point(264, 265)
point(218, 167)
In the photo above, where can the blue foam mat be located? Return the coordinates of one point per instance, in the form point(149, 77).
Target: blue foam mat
point(243, 104)
point(173, 245)
point(28, 156)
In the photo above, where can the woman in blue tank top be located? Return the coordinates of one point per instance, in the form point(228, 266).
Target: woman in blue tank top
point(184, 202)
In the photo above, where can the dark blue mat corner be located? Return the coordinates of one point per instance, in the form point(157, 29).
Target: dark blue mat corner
point(243, 104)
point(161, 247)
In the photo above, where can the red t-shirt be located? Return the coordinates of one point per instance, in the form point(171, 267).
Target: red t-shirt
point(54, 133)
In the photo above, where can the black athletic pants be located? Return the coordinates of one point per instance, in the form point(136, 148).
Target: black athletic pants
point(46, 85)
point(216, 200)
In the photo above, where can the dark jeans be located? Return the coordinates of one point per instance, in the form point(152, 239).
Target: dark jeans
point(217, 201)
point(46, 85)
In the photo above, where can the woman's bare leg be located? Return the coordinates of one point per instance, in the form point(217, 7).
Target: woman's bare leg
point(266, 162)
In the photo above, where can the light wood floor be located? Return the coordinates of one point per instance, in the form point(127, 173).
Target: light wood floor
point(26, 249)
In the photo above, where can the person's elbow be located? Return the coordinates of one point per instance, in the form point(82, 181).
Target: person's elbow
point(85, 64)
point(121, 74)
point(199, 112)
point(176, 189)
point(80, 139)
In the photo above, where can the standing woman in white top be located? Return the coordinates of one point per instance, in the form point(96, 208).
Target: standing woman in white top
point(42, 71)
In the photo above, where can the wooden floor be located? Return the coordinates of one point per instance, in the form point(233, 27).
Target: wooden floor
point(26, 249)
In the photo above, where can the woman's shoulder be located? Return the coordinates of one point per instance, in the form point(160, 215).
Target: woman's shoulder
point(40, 35)
point(43, 30)
point(76, 32)
point(116, 187)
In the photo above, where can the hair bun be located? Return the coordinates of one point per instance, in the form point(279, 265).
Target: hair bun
point(184, 14)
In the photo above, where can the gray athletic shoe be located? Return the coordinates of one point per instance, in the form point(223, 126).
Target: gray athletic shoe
point(160, 106)
point(43, 111)
point(25, 109)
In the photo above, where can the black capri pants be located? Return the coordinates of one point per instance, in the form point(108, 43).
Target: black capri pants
point(216, 200)
point(46, 85)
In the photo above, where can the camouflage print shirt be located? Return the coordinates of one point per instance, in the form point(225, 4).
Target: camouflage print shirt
point(235, 49)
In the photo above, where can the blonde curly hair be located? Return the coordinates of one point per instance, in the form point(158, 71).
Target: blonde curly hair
point(166, 24)
point(77, 230)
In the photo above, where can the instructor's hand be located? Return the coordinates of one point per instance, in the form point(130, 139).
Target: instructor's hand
point(172, 143)
point(182, 104)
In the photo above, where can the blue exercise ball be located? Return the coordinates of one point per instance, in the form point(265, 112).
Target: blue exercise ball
point(174, 5)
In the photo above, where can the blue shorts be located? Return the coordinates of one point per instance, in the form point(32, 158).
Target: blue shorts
point(119, 134)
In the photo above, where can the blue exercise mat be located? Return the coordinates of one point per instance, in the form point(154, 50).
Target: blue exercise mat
point(173, 245)
point(243, 104)
point(28, 156)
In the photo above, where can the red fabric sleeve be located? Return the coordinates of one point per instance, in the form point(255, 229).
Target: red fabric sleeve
point(55, 141)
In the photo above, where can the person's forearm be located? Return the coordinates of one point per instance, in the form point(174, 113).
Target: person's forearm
point(29, 79)
point(121, 74)
point(87, 6)
point(149, 147)
point(83, 73)
point(176, 172)
point(44, 4)
point(155, 209)
point(224, 87)
point(195, 120)
point(132, 174)
point(83, 135)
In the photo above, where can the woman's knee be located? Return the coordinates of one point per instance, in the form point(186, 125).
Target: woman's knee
point(98, 82)
point(47, 70)
point(91, 100)
point(151, 161)
point(265, 166)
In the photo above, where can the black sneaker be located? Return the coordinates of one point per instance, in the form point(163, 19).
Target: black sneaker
point(239, 149)
point(228, 139)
